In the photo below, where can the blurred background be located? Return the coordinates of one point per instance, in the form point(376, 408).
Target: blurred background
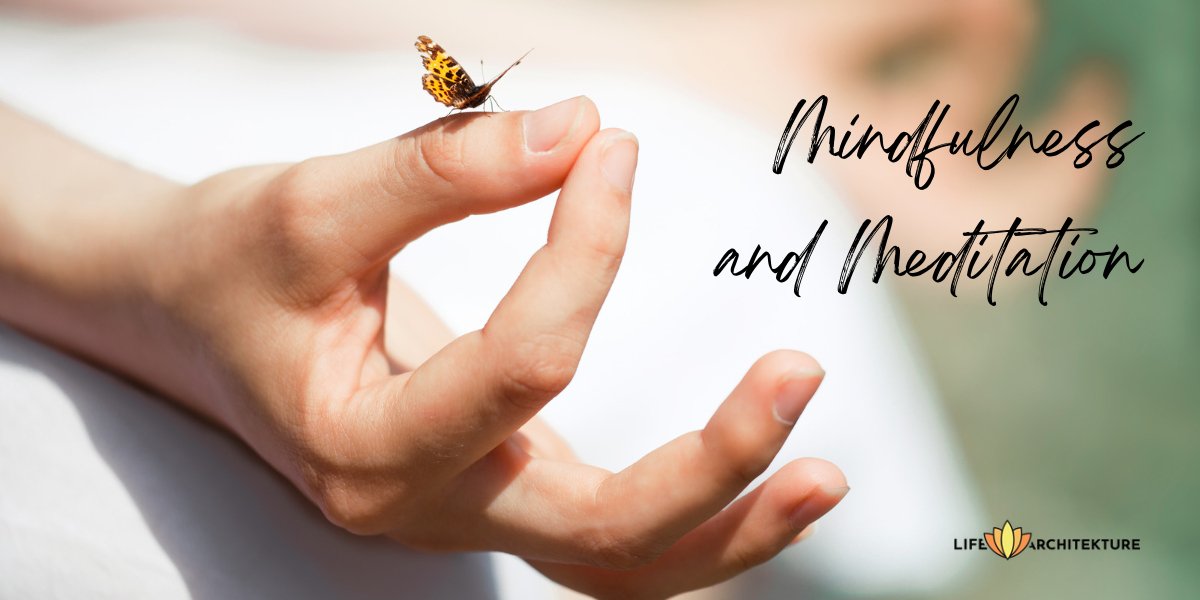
point(1079, 419)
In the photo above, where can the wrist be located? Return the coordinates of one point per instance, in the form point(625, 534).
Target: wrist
point(78, 232)
point(73, 264)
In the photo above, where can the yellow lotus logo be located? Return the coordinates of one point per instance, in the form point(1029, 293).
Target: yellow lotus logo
point(1007, 541)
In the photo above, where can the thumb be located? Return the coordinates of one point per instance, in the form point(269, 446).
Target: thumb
point(384, 196)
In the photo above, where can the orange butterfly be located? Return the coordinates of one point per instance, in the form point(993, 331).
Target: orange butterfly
point(448, 82)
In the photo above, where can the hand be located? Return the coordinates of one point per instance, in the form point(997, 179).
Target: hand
point(261, 299)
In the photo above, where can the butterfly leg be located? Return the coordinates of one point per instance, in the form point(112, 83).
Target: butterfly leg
point(484, 77)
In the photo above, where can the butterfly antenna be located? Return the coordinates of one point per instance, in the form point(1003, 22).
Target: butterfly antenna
point(502, 73)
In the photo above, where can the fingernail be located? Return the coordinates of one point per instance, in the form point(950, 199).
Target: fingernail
point(813, 506)
point(797, 387)
point(546, 127)
point(618, 160)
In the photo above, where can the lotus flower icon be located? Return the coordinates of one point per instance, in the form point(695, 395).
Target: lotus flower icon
point(1007, 542)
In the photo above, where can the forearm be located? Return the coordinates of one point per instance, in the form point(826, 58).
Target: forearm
point(76, 229)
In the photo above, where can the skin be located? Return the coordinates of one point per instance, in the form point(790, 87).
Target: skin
point(261, 300)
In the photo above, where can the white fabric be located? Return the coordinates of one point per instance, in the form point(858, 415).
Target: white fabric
point(108, 492)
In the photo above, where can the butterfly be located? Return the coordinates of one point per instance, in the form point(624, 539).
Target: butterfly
point(448, 82)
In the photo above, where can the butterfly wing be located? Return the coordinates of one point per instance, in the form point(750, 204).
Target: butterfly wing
point(444, 78)
point(438, 88)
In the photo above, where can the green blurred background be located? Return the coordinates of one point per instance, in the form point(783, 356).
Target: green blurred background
point(1093, 430)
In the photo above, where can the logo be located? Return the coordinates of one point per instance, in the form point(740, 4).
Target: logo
point(1007, 542)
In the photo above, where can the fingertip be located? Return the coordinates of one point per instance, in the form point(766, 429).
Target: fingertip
point(779, 362)
point(791, 378)
point(793, 392)
point(818, 485)
point(618, 159)
point(823, 473)
point(559, 125)
point(593, 208)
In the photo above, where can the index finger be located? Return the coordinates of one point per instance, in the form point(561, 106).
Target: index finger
point(478, 390)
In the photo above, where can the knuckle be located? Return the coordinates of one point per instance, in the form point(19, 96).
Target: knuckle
point(298, 181)
point(540, 369)
point(742, 559)
point(347, 508)
point(752, 464)
point(741, 454)
point(623, 551)
point(300, 186)
point(434, 154)
point(607, 254)
point(299, 208)
point(362, 495)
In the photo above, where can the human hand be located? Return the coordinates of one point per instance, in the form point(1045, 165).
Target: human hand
point(261, 298)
